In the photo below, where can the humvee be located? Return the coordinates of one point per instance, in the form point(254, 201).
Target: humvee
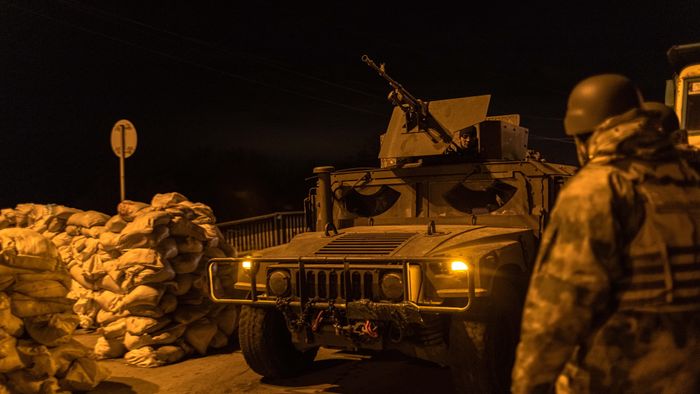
point(429, 254)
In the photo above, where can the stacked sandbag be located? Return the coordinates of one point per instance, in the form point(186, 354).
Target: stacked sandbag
point(37, 352)
point(153, 299)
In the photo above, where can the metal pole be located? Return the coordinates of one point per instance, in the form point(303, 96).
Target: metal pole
point(122, 181)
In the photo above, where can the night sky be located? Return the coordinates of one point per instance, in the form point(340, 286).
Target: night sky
point(235, 105)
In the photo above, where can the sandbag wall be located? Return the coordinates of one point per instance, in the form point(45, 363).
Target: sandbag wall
point(37, 352)
point(139, 277)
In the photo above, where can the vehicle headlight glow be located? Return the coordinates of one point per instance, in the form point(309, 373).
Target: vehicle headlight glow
point(246, 264)
point(458, 266)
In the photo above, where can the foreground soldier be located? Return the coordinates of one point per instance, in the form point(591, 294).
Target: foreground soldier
point(614, 302)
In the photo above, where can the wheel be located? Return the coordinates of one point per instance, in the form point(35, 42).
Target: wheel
point(267, 345)
point(482, 352)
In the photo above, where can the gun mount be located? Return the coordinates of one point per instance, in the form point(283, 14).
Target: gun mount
point(443, 129)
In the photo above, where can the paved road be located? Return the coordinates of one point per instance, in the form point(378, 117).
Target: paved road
point(333, 372)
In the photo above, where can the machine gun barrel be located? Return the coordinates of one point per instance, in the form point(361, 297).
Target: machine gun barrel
point(399, 93)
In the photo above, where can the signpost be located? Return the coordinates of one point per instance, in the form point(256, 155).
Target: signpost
point(123, 140)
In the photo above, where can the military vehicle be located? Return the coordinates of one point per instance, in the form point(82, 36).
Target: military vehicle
point(429, 254)
point(683, 92)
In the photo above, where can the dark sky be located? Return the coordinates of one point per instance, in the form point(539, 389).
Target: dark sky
point(235, 104)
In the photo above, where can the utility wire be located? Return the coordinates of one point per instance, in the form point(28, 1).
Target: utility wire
point(196, 64)
point(212, 46)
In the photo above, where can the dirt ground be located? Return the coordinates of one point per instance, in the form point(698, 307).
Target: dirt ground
point(333, 372)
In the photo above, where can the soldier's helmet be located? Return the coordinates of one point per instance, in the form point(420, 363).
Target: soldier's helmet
point(598, 98)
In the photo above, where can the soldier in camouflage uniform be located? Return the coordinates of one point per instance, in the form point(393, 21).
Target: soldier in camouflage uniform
point(614, 301)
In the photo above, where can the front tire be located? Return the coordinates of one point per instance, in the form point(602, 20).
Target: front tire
point(267, 345)
point(482, 352)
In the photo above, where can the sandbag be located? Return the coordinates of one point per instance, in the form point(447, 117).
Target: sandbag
point(184, 284)
point(138, 325)
point(219, 340)
point(62, 239)
point(60, 275)
point(24, 248)
point(109, 301)
point(41, 288)
point(93, 232)
point(109, 240)
point(87, 219)
point(83, 375)
point(143, 295)
point(9, 357)
point(25, 306)
point(146, 223)
point(144, 357)
point(36, 358)
point(214, 253)
point(64, 355)
point(189, 245)
point(163, 337)
point(115, 224)
point(105, 317)
point(9, 323)
point(78, 275)
point(52, 330)
point(200, 333)
point(109, 348)
point(169, 354)
point(227, 319)
point(168, 304)
point(86, 308)
point(180, 226)
point(22, 382)
point(146, 239)
point(187, 262)
point(115, 329)
point(186, 314)
point(167, 248)
point(164, 200)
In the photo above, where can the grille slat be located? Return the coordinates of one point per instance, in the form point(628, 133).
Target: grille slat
point(372, 244)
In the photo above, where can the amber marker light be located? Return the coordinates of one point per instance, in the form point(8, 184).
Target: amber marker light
point(458, 266)
point(246, 264)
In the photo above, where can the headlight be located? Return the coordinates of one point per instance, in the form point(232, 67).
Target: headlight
point(246, 264)
point(278, 283)
point(392, 286)
point(458, 266)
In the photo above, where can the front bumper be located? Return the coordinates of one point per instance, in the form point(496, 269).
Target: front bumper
point(300, 297)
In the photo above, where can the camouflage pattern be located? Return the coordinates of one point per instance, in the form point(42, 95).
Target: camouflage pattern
point(574, 337)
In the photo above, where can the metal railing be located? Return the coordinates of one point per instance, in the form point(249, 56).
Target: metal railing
point(260, 232)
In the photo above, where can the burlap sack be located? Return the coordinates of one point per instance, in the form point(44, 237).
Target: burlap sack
point(167, 248)
point(213, 253)
point(22, 382)
point(186, 263)
point(200, 333)
point(10, 323)
point(84, 374)
point(24, 248)
point(144, 357)
point(143, 295)
point(226, 318)
point(147, 239)
point(168, 303)
point(109, 348)
point(128, 210)
point(9, 357)
point(219, 340)
point(138, 325)
point(109, 301)
point(109, 240)
point(41, 288)
point(87, 219)
point(115, 224)
point(25, 306)
point(161, 201)
point(183, 284)
point(82, 247)
point(52, 330)
point(105, 317)
point(181, 227)
point(186, 314)
point(64, 355)
point(164, 337)
point(189, 245)
point(93, 232)
point(115, 329)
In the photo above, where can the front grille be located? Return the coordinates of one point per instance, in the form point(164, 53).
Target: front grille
point(334, 285)
point(375, 244)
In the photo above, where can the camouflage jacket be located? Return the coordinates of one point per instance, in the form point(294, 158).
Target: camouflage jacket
point(574, 337)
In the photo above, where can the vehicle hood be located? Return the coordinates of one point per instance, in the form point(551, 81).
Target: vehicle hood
point(397, 241)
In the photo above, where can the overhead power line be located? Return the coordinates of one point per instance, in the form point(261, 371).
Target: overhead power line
point(195, 64)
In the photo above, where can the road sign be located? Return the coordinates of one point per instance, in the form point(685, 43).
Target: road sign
point(123, 135)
